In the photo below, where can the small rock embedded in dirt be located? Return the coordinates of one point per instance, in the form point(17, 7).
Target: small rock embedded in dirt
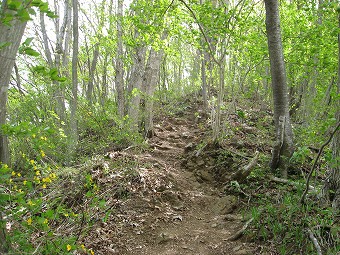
point(225, 205)
point(189, 147)
point(164, 238)
point(177, 218)
point(204, 176)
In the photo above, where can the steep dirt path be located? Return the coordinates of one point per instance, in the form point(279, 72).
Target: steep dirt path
point(195, 217)
point(179, 215)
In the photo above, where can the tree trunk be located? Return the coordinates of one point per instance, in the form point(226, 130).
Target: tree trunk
point(136, 85)
point(12, 35)
point(89, 92)
point(119, 61)
point(283, 148)
point(74, 98)
point(331, 188)
point(204, 81)
point(151, 77)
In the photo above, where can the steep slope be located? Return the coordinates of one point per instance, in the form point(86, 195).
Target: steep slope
point(170, 209)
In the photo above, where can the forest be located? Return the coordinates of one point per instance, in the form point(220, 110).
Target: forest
point(165, 127)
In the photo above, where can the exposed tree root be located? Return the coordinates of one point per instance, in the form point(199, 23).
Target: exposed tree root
point(243, 173)
point(239, 233)
point(315, 242)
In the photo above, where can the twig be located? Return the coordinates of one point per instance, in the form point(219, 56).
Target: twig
point(303, 197)
point(239, 233)
point(315, 242)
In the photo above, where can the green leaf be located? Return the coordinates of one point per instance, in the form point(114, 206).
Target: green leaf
point(29, 51)
point(49, 213)
point(4, 44)
point(23, 15)
point(51, 14)
point(28, 41)
point(39, 69)
point(4, 197)
point(13, 5)
point(8, 17)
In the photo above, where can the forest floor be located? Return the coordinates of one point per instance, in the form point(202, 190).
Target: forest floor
point(170, 198)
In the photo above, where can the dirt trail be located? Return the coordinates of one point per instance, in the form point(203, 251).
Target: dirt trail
point(180, 215)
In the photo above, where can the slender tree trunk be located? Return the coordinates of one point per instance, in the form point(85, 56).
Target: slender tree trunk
point(104, 87)
point(283, 148)
point(89, 93)
point(119, 61)
point(217, 121)
point(204, 82)
point(74, 99)
point(331, 188)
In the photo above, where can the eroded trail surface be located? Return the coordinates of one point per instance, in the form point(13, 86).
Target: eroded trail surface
point(172, 210)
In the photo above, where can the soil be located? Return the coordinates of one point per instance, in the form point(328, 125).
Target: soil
point(174, 203)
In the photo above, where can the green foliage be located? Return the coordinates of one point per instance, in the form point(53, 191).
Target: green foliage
point(285, 222)
point(23, 10)
point(101, 128)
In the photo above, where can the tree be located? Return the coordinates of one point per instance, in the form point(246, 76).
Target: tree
point(119, 83)
point(331, 188)
point(74, 99)
point(11, 33)
point(284, 147)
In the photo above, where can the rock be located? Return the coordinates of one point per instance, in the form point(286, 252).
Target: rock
point(171, 197)
point(189, 147)
point(243, 252)
point(164, 237)
point(200, 162)
point(205, 176)
point(225, 205)
point(169, 128)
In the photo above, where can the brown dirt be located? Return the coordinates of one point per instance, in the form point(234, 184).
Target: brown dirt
point(170, 208)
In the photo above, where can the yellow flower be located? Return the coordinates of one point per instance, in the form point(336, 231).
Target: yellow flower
point(29, 221)
point(53, 176)
point(47, 179)
point(83, 247)
point(4, 166)
point(32, 161)
point(44, 186)
point(68, 247)
point(37, 172)
point(34, 135)
point(45, 221)
point(42, 153)
point(43, 138)
point(19, 174)
point(92, 252)
point(30, 203)
point(24, 182)
point(13, 173)
point(35, 167)
point(10, 180)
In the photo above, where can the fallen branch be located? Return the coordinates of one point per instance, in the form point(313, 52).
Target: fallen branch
point(243, 173)
point(303, 197)
point(288, 182)
point(314, 241)
point(239, 233)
